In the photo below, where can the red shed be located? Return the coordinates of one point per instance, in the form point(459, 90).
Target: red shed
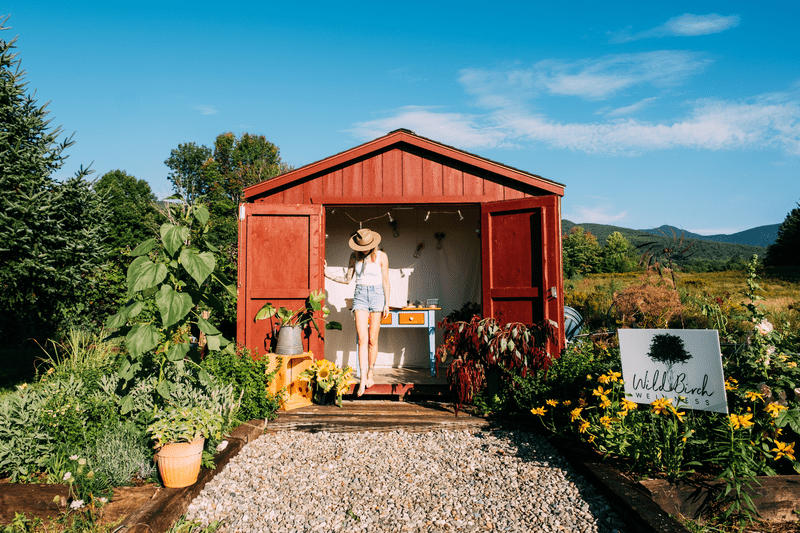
point(456, 227)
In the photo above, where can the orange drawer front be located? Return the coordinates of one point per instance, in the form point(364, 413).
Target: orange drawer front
point(411, 318)
point(387, 320)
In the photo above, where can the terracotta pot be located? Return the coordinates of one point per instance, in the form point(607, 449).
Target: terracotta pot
point(179, 463)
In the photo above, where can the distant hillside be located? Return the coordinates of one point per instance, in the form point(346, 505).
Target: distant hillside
point(760, 236)
point(702, 249)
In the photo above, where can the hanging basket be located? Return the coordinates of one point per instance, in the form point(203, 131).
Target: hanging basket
point(290, 340)
point(179, 463)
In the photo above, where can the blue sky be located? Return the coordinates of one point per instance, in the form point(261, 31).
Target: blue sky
point(651, 113)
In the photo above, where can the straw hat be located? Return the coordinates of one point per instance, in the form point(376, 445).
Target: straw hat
point(364, 239)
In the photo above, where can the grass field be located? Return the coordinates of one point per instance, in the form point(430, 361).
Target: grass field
point(593, 296)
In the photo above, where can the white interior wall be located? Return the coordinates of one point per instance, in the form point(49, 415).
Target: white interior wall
point(452, 274)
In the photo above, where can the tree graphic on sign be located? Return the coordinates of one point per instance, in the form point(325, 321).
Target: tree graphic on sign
point(668, 349)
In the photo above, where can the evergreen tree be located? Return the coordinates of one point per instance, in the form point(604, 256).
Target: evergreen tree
point(785, 251)
point(51, 233)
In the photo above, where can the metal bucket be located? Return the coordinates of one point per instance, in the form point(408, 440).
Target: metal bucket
point(290, 340)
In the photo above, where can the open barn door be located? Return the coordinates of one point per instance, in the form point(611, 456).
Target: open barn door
point(521, 262)
point(281, 251)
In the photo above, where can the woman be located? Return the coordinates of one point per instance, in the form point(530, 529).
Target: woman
point(371, 298)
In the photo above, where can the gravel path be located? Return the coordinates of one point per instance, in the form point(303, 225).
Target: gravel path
point(398, 481)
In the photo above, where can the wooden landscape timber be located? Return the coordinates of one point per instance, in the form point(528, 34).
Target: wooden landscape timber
point(646, 507)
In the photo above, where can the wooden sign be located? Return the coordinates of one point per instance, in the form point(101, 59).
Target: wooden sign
point(682, 364)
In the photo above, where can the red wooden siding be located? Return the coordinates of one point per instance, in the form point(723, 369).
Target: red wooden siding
point(280, 261)
point(400, 174)
point(519, 262)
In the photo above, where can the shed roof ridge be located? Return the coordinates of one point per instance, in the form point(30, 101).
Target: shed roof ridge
point(305, 170)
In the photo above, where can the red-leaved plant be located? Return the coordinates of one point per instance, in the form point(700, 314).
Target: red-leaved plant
point(482, 343)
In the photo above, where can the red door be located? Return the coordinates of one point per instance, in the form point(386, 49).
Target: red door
point(281, 250)
point(521, 262)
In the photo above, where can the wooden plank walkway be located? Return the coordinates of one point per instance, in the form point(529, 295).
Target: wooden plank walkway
point(374, 415)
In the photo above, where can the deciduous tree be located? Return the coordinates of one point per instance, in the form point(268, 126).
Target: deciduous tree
point(581, 253)
point(134, 217)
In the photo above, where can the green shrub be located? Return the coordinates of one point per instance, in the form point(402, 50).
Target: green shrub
point(247, 372)
point(122, 453)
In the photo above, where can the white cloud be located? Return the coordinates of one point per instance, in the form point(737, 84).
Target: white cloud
point(456, 129)
point(719, 231)
point(686, 25)
point(630, 109)
point(768, 121)
point(586, 78)
point(594, 215)
point(205, 109)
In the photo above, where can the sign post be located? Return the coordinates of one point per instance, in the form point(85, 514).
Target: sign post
point(682, 364)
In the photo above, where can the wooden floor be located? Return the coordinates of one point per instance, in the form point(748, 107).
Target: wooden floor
point(374, 415)
point(402, 382)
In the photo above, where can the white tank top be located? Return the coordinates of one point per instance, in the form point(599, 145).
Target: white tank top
point(368, 273)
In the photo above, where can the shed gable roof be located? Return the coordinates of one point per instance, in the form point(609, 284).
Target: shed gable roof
point(408, 140)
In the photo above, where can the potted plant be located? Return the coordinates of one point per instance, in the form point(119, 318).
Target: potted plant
point(293, 322)
point(328, 381)
point(179, 435)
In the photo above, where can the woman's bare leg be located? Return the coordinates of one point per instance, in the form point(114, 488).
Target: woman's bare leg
point(362, 328)
point(374, 330)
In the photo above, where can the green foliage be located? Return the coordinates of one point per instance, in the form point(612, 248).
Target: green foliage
point(186, 171)
point(131, 203)
point(580, 251)
point(706, 255)
point(175, 274)
point(303, 315)
point(786, 249)
point(122, 454)
point(247, 372)
point(185, 425)
point(24, 443)
point(616, 255)
point(51, 233)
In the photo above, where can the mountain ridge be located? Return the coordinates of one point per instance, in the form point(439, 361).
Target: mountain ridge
point(711, 249)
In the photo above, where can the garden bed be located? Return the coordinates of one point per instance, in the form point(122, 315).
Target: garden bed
point(657, 505)
point(141, 509)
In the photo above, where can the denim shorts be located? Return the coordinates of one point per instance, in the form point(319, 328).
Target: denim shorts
point(369, 298)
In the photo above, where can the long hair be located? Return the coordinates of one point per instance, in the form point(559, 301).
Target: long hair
point(360, 256)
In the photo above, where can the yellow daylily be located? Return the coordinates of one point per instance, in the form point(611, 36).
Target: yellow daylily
point(539, 411)
point(575, 414)
point(552, 403)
